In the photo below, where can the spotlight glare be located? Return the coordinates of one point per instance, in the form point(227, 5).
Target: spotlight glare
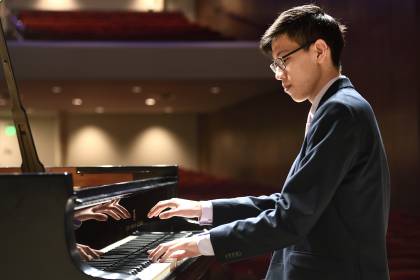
point(215, 90)
point(56, 89)
point(150, 101)
point(136, 89)
point(77, 101)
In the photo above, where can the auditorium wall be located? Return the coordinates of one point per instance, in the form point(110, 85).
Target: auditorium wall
point(106, 139)
point(130, 139)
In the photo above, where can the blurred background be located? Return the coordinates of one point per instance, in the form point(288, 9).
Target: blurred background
point(141, 82)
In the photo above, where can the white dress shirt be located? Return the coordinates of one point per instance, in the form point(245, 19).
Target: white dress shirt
point(316, 101)
point(203, 239)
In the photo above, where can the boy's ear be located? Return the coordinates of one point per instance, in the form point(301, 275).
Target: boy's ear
point(321, 48)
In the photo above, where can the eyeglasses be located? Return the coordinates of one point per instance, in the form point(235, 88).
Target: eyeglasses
point(280, 63)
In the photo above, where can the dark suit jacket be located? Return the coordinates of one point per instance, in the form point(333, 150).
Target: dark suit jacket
point(330, 219)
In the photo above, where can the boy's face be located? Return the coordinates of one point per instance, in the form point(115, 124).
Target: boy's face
point(302, 72)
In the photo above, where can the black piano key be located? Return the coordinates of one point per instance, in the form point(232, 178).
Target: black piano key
point(132, 257)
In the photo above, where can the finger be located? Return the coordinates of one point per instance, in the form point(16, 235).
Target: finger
point(85, 256)
point(169, 252)
point(169, 214)
point(152, 252)
point(114, 206)
point(99, 217)
point(158, 254)
point(124, 211)
point(101, 206)
point(180, 255)
point(161, 205)
point(92, 252)
point(110, 203)
point(111, 213)
point(93, 216)
point(116, 201)
point(160, 250)
point(157, 209)
point(80, 251)
point(157, 205)
point(120, 211)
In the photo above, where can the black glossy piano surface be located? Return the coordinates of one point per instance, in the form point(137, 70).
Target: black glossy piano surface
point(38, 234)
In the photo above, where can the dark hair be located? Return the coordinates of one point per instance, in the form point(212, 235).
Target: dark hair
point(305, 24)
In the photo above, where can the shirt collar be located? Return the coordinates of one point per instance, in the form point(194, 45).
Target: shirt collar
point(320, 94)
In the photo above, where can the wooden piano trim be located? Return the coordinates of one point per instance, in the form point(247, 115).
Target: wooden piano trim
point(82, 180)
point(102, 175)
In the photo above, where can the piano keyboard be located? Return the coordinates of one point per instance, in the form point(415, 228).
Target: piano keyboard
point(129, 256)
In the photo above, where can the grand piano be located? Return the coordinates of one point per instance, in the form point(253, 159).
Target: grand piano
point(37, 209)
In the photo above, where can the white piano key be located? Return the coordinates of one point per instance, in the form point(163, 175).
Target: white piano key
point(118, 243)
point(155, 271)
point(158, 271)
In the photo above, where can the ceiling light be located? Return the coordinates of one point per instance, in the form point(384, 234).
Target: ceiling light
point(77, 101)
point(136, 89)
point(99, 110)
point(150, 101)
point(56, 89)
point(215, 90)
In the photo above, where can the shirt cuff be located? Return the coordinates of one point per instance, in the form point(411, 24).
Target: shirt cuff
point(206, 213)
point(204, 244)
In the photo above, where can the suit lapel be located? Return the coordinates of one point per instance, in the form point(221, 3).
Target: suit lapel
point(342, 82)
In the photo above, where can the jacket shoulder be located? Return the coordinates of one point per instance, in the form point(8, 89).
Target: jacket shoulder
point(346, 102)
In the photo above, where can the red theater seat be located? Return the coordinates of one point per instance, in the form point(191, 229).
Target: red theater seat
point(76, 25)
point(405, 275)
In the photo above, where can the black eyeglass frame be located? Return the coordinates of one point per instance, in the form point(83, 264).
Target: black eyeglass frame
point(280, 63)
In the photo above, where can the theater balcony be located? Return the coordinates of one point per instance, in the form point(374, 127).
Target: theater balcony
point(85, 45)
